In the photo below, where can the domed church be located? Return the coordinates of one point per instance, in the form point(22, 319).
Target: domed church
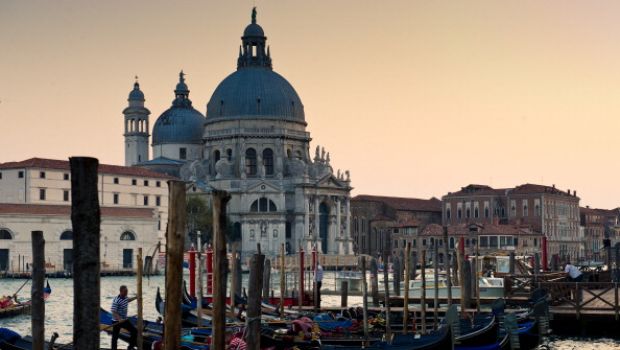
point(253, 143)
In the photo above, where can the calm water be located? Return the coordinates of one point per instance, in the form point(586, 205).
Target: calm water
point(59, 309)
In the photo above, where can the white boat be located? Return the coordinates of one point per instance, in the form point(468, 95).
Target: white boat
point(490, 288)
point(354, 279)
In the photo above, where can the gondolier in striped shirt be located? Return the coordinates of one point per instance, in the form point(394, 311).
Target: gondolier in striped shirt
point(119, 314)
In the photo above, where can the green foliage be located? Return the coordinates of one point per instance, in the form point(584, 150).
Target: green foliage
point(199, 218)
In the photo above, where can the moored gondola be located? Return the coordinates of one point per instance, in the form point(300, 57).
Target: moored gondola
point(24, 307)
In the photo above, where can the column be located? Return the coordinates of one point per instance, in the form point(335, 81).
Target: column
point(338, 249)
point(317, 224)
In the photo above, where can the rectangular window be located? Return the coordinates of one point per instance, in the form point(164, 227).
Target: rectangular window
point(65, 195)
point(65, 176)
point(158, 183)
point(42, 194)
point(484, 241)
point(20, 174)
point(158, 201)
point(115, 197)
point(146, 200)
point(182, 153)
point(42, 174)
point(116, 180)
point(134, 182)
point(146, 183)
point(493, 242)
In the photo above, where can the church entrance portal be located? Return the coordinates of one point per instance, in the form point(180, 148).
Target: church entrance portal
point(323, 226)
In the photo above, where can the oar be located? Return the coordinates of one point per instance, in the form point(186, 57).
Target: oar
point(65, 346)
point(20, 288)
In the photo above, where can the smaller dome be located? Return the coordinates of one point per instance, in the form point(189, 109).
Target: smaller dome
point(253, 30)
point(179, 125)
point(136, 94)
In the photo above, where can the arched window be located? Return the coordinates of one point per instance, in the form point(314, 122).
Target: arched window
point(268, 161)
point(459, 213)
point(66, 236)
point(128, 236)
point(288, 153)
point(229, 155)
point(5, 234)
point(263, 205)
point(216, 156)
point(486, 212)
point(250, 162)
point(467, 213)
point(476, 212)
point(448, 213)
point(298, 155)
point(451, 242)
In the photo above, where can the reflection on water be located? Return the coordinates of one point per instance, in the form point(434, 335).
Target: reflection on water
point(59, 309)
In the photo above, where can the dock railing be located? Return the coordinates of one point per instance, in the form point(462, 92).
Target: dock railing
point(584, 297)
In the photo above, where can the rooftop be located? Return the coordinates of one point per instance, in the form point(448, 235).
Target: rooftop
point(44, 163)
point(402, 203)
point(65, 210)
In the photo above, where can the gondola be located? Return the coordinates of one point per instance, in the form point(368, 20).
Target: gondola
point(478, 330)
point(190, 339)
point(24, 307)
point(10, 340)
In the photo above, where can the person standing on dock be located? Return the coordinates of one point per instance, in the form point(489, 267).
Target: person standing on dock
point(318, 278)
point(119, 315)
point(573, 273)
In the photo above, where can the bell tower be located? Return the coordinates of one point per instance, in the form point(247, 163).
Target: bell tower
point(136, 128)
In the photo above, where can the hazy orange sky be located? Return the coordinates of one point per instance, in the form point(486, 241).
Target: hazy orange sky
point(415, 98)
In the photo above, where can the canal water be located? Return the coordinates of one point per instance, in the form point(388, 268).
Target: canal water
point(59, 309)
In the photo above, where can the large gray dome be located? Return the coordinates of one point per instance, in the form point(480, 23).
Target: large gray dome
point(181, 123)
point(255, 92)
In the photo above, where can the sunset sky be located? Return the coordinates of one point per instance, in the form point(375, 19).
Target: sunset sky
point(415, 98)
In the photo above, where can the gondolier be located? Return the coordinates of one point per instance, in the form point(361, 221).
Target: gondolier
point(318, 278)
point(119, 315)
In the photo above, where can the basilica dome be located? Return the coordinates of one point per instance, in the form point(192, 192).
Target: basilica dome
point(255, 90)
point(181, 123)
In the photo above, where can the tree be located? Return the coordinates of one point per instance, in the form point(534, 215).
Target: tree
point(199, 218)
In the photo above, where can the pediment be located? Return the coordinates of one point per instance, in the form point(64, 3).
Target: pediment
point(263, 186)
point(331, 181)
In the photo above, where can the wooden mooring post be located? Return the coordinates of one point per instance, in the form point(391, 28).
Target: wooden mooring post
point(220, 265)
point(511, 263)
point(374, 281)
point(344, 293)
point(406, 297)
point(386, 294)
point(175, 237)
point(435, 285)
point(396, 267)
point(255, 287)
point(266, 279)
point(446, 264)
point(234, 281)
point(282, 278)
point(461, 273)
point(364, 297)
point(36, 294)
point(86, 223)
point(139, 300)
point(302, 288)
point(423, 289)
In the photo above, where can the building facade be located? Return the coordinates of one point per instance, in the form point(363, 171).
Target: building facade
point(253, 143)
point(377, 219)
point(544, 209)
point(35, 194)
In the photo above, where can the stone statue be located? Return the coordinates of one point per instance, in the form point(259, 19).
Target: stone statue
point(348, 175)
point(339, 176)
point(254, 15)
point(322, 153)
point(316, 154)
point(328, 159)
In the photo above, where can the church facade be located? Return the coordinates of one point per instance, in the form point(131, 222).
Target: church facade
point(253, 143)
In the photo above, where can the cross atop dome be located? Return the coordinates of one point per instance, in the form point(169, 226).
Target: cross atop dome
point(253, 51)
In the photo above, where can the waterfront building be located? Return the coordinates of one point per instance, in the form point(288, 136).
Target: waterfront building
point(377, 218)
point(253, 143)
point(35, 194)
point(544, 209)
point(487, 238)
